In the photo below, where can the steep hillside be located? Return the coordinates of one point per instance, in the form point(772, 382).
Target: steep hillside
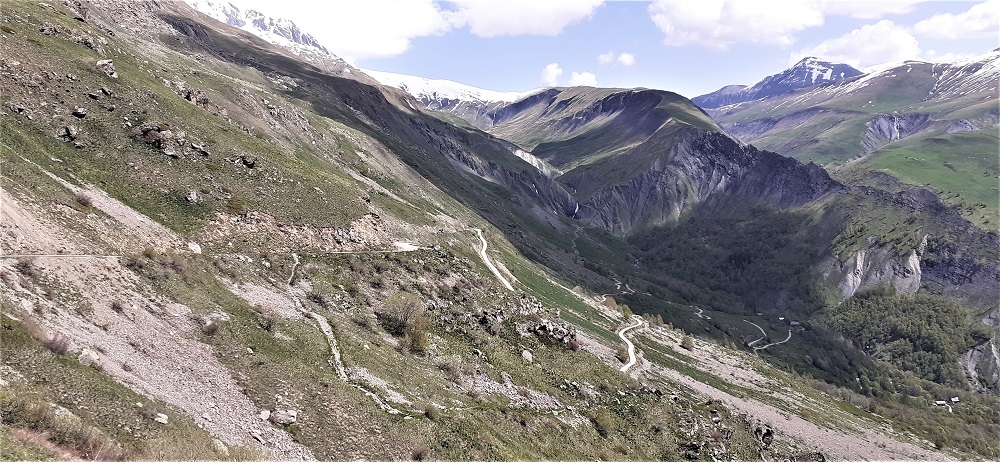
point(213, 248)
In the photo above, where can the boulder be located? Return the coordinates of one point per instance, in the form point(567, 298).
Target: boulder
point(80, 112)
point(161, 418)
point(70, 133)
point(107, 67)
point(284, 417)
point(220, 448)
point(527, 356)
point(89, 357)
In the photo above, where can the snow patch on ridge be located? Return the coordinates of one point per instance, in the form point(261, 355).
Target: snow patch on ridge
point(434, 89)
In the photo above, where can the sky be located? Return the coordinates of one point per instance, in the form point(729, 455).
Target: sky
point(691, 47)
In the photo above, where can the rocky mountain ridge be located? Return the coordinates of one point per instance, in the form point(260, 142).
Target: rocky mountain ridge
point(808, 72)
point(279, 31)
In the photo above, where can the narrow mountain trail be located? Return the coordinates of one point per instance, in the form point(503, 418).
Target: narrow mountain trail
point(489, 263)
point(763, 336)
point(295, 266)
point(335, 359)
point(629, 344)
point(756, 349)
point(700, 314)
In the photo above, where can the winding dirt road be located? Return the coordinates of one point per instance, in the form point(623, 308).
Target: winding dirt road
point(629, 344)
point(489, 264)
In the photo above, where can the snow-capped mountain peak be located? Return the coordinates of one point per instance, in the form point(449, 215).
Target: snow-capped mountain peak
point(425, 89)
point(278, 31)
point(807, 72)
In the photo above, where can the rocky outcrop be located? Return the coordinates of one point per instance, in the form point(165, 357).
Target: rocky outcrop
point(887, 128)
point(875, 265)
point(982, 364)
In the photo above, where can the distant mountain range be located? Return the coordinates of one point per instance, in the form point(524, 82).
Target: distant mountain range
point(808, 72)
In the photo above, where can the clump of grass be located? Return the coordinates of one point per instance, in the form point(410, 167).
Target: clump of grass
point(432, 412)
point(27, 266)
point(211, 325)
point(22, 410)
point(57, 342)
point(403, 315)
point(421, 453)
point(84, 199)
point(265, 317)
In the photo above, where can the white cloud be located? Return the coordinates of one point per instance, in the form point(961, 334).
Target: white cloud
point(489, 18)
point(359, 29)
point(550, 75)
point(611, 59)
point(948, 57)
point(980, 21)
point(381, 28)
point(720, 23)
point(582, 79)
point(606, 59)
point(870, 44)
point(868, 9)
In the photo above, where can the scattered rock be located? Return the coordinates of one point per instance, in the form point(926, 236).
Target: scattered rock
point(527, 356)
point(249, 161)
point(170, 151)
point(199, 148)
point(48, 28)
point(161, 418)
point(69, 133)
point(264, 414)
point(89, 357)
point(220, 448)
point(192, 197)
point(80, 112)
point(106, 91)
point(555, 330)
point(284, 417)
point(93, 96)
point(108, 68)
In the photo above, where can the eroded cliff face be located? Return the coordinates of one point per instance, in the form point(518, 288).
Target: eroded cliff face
point(877, 264)
point(703, 169)
point(887, 128)
point(982, 364)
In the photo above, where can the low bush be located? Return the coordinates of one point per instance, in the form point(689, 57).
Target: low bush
point(84, 199)
point(27, 267)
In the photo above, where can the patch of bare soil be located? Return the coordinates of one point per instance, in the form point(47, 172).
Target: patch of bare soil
point(865, 445)
point(148, 343)
point(41, 439)
point(366, 233)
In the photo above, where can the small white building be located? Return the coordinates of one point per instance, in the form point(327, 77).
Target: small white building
point(954, 399)
point(940, 403)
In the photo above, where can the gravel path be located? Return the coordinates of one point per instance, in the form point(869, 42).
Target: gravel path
point(492, 267)
point(629, 344)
